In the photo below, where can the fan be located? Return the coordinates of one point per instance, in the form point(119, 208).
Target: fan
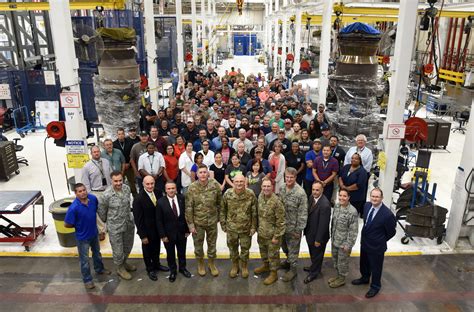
point(88, 43)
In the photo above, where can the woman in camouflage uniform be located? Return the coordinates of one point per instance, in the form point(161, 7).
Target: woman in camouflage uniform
point(344, 230)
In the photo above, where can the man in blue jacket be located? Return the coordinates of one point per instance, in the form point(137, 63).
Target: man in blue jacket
point(379, 227)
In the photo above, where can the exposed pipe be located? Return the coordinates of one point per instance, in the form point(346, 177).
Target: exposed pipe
point(434, 35)
point(446, 48)
point(451, 50)
point(458, 51)
point(464, 53)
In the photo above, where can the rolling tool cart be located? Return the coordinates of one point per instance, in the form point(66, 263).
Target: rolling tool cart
point(416, 206)
point(8, 160)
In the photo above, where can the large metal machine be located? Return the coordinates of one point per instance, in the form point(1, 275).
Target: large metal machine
point(117, 87)
point(355, 84)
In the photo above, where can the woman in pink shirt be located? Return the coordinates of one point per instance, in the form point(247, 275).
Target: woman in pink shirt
point(264, 94)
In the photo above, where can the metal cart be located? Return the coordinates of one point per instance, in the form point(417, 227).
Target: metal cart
point(23, 122)
point(14, 203)
point(416, 206)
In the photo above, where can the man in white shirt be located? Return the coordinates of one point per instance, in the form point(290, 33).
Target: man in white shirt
point(96, 177)
point(364, 152)
point(243, 138)
point(152, 163)
point(271, 136)
point(310, 114)
point(96, 172)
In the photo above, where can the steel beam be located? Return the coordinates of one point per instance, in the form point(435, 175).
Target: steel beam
point(325, 52)
point(401, 69)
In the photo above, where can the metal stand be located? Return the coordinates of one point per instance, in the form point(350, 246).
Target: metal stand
point(12, 232)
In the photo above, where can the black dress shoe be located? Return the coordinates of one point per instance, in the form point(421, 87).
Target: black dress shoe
point(163, 268)
point(152, 275)
point(360, 281)
point(371, 293)
point(307, 269)
point(310, 278)
point(185, 272)
point(172, 277)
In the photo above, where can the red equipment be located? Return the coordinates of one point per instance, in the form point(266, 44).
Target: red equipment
point(188, 57)
point(416, 130)
point(428, 68)
point(56, 130)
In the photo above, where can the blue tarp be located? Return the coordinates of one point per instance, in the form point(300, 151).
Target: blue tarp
point(359, 28)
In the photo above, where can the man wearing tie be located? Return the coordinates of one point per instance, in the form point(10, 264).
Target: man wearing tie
point(317, 230)
point(144, 212)
point(173, 229)
point(379, 227)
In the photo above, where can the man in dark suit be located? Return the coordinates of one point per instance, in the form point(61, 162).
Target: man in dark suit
point(317, 229)
point(144, 212)
point(379, 227)
point(173, 229)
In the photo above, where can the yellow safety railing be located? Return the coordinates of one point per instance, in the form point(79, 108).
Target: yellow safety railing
point(453, 76)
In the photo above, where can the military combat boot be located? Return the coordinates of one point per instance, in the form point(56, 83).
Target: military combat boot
point(235, 269)
point(212, 267)
point(284, 265)
point(332, 279)
point(272, 278)
point(290, 275)
point(338, 282)
point(122, 272)
point(201, 269)
point(245, 269)
point(263, 268)
point(129, 267)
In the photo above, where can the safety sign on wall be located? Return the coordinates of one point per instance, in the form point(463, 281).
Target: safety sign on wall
point(396, 131)
point(70, 100)
point(77, 161)
point(49, 78)
point(76, 154)
point(5, 91)
point(75, 147)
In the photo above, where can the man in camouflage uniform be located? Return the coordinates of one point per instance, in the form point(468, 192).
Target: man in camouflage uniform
point(296, 214)
point(271, 227)
point(344, 230)
point(203, 203)
point(238, 219)
point(114, 208)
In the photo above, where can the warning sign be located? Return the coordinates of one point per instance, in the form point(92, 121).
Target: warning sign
point(70, 100)
point(75, 147)
point(77, 161)
point(396, 131)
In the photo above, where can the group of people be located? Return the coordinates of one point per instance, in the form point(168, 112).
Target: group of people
point(240, 152)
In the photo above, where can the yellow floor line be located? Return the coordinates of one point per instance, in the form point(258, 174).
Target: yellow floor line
point(253, 255)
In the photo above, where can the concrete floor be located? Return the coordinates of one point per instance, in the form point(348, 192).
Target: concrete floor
point(412, 283)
